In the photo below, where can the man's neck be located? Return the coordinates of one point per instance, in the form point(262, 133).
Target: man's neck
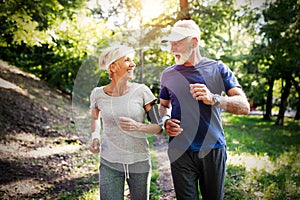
point(193, 60)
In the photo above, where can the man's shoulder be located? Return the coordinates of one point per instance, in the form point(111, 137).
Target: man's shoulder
point(170, 68)
point(207, 61)
point(211, 63)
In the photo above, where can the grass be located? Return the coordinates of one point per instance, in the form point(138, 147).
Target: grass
point(263, 159)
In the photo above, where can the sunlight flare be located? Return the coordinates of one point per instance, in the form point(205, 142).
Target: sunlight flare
point(251, 162)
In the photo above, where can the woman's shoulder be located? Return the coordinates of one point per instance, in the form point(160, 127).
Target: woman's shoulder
point(97, 90)
point(139, 86)
point(143, 90)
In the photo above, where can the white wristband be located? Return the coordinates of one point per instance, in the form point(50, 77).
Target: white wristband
point(95, 135)
point(164, 119)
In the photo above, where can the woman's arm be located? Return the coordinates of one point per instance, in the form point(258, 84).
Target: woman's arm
point(128, 124)
point(95, 126)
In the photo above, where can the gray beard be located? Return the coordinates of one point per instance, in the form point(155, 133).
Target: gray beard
point(183, 57)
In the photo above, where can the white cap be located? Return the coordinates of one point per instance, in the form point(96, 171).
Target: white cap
point(181, 30)
point(113, 53)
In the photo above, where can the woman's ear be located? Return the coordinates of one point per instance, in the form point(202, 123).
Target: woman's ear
point(113, 67)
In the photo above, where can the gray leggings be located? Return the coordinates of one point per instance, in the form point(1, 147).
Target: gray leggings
point(193, 169)
point(113, 176)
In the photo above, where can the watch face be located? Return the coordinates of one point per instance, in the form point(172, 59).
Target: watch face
point(216, 100)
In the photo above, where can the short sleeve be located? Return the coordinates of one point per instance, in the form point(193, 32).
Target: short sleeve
point(93, 103)
point(164, 93)
point(148, 95)
point(229, 80)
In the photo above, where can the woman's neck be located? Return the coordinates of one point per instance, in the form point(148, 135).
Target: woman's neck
point(117, 88)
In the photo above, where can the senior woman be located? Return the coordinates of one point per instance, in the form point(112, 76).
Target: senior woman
point(124, 154)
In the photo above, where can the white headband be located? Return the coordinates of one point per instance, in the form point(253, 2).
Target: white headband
point(185, 31)
point(179, 33)
point(113, 53)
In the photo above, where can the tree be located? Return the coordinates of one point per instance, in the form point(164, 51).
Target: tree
point(184, 10)
point(296, 84)
point(281, 33)
point(50, 38)
point(28, 21)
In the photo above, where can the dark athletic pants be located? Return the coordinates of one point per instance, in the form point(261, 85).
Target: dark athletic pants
point(207, 170)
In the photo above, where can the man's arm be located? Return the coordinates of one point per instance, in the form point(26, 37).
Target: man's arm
point(172, 126)
point(236, 102)
point(165, 108)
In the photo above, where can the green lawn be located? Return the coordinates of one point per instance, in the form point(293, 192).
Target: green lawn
point(263, 159)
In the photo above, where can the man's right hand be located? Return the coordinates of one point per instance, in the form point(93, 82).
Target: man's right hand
point(172, 127)
point(95, 146)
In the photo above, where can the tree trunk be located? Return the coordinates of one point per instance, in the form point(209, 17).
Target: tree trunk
point(297, 116)
point(283, 102)
point(268, 114)
point(184, 10)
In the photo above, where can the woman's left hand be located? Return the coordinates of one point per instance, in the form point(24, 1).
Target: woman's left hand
point(128, 124)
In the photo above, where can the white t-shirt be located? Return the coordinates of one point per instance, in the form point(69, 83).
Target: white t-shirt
point(120, 146)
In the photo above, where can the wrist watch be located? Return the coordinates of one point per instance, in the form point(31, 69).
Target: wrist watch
point(216, 99)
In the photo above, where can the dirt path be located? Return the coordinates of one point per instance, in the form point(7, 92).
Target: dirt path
point(39, 155)
point(165, 182)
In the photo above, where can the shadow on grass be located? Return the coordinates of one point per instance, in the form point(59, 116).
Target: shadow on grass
point(49, 176)
point(254, 135)
point(70, 188)
point(12, 171)
point(264, 158)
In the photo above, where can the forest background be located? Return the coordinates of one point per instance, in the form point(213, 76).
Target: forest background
point(53, 39)
point(59, 41)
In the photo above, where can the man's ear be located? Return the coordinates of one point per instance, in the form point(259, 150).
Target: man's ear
point(195, 42)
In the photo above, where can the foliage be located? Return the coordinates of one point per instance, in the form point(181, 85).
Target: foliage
point(27, 21)
point(262, 160)
point(61, 40)
point(276, 57)
point(57, 59)
point(53, 39)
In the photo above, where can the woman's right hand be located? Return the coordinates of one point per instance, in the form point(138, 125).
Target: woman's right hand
point(95, 146)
